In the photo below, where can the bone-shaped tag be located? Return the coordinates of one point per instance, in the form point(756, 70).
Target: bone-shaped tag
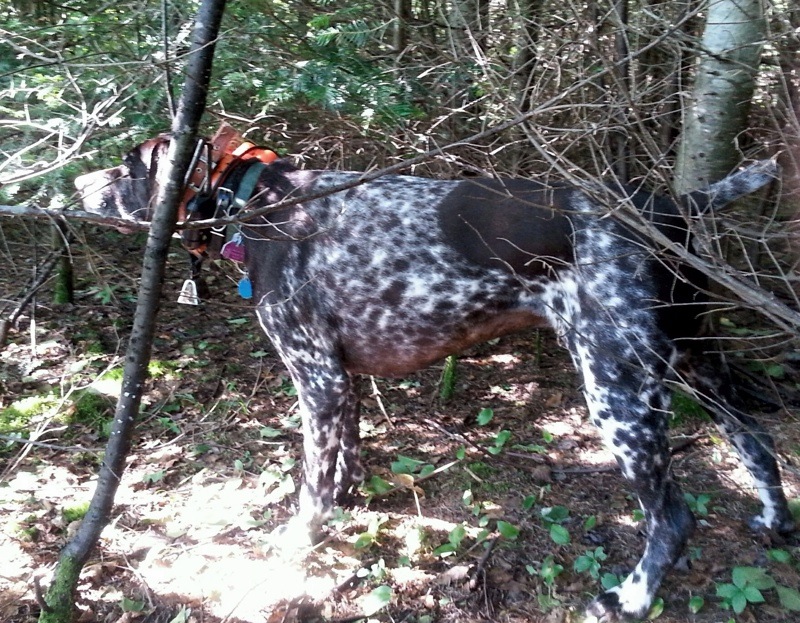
point(233, 249)
point(188, 295)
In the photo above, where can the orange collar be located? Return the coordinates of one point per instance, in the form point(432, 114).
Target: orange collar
point(212, 161)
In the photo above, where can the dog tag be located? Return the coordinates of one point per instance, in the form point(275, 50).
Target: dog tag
point(188, 295)
point(233, 249)
point(245, 288)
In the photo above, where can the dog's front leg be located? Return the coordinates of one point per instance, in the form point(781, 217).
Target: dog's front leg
point(328, 408)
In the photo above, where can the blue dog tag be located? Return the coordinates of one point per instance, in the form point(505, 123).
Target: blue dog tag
point(245, 288)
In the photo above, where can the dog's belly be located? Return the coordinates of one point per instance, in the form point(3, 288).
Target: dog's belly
point(416, 332)
point(405, 347)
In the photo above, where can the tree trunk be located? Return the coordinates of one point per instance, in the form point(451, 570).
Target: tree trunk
point(528, 38)
point(402, 15)
point(59, 607)
point(620, 156)
point(717, 116)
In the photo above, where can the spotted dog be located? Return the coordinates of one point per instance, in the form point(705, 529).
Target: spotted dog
point(389, 276)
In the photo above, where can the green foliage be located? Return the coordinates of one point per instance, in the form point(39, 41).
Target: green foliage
point(16, 417)
point(409, 466)
point(686, 409)
point(748, 583)
point(698, 504)
point(74, 513)
point(746, 588)
point(696, 604)
point(485, 416)
point(369, 537)
point(454, 539)
point(553, 517)
point(92, 409)
point(448, 380)
point(590, 562)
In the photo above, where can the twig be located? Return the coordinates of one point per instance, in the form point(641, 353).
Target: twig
point(376, 394)
point(40, 600)
point(479, 568)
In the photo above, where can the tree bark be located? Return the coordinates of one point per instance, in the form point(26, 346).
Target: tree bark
point(59, 606)
point(724, 83)
point(402, 15)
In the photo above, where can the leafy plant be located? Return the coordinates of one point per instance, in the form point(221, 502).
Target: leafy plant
point(698, 504)
point(454, 539)
point(553, 517)
point(590, 562)
point(499, 441)
point(411, 466)
point(548, 571)
point(376, 572)
point(448, 380)
point(748, 582)
point(370, 536)
point(507, 530)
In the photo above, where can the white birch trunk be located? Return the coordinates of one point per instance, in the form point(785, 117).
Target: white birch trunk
point(720, 102)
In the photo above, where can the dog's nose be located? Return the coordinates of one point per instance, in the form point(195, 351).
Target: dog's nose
point(83, 181)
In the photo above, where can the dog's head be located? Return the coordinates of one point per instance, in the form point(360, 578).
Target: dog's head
point(126, 191)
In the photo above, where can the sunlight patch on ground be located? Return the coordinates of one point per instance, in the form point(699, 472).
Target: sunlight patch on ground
point(206, 545)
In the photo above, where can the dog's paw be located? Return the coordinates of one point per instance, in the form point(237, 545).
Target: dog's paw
point(604, 609)
point(295, 537)
point(618, 605)
point(778, 523)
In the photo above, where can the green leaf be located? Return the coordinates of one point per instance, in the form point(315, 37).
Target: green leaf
point(554, 514)
point(267, 432)
point(590, 523)
point(444, 550)
point(753, 576)
point(529, 502)
point(364, 540)
point(182, 616)
point(559, 534)
point(753, 595)
point(727, 591)
point(696, 604)
point(656, 609)
point(485, 416)
point(780, 555)
point(378, 485)
point(376, 600)
point(739, 603)
point(457, 535)
point(502, 438)
point(131, 605)
point(507, 530)
point(609, 580)
point(789, 597)
point(405, 465)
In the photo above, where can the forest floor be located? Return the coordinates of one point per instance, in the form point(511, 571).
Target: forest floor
point(480, 524)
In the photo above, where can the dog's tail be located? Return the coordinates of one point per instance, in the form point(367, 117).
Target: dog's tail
point(736, 185)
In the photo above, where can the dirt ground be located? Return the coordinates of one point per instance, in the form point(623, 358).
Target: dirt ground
point(465, 533)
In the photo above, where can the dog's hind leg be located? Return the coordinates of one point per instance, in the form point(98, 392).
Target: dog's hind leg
point(623, 357)
point(711, 382)
point(629, 404)
point(349, 470)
